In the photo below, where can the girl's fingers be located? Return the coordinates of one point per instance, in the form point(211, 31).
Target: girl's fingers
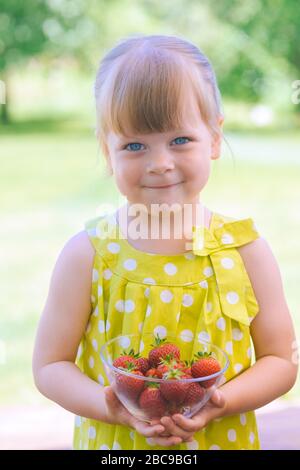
point(175, 430)
point(147, 430)
point(189, 424)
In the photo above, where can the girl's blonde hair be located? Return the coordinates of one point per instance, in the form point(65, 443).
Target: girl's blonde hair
point(141, 86)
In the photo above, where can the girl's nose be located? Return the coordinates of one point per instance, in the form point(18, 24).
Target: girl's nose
point(160, 164)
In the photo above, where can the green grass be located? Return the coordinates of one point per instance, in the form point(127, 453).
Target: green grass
point(52, 180)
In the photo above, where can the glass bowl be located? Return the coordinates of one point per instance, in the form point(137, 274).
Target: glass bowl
point(168, 395)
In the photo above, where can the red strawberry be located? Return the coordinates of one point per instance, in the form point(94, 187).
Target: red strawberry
point(152, 402)
point(173, 390)
point(166, 364)
point(151, 373)
point(186, 367)
point(130, 386)
point(161, 350)
point(205, 365)
point(122, 360)
point(194, 394)
point(142, 364)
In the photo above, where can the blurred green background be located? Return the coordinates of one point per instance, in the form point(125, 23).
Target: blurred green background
point(52, 173)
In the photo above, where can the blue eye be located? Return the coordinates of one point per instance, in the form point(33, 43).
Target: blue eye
point(133, 143)
point(134, 146)
point(181, 138)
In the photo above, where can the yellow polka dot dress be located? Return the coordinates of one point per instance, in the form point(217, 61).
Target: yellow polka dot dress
point(202, 294)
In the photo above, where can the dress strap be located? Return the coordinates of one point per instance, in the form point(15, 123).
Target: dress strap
point(235, 291)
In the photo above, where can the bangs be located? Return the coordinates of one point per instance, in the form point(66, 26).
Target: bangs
point(150, 90)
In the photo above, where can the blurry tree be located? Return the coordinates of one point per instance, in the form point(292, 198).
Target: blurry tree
point(265, 45)
point(28, 28)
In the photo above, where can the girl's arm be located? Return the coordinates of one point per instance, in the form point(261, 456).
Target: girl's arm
point(62, 325)
point(273, 336)
point(60, 330)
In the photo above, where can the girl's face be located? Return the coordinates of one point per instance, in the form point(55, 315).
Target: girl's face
point(171, 167)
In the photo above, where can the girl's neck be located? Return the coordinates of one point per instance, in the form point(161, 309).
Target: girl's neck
point(153, 233)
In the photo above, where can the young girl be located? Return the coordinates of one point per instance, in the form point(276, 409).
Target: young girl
point(159, 125)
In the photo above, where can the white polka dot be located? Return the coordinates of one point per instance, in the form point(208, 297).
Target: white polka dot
point(237, 334)
point(203, 284)
point(142, 346)
point(147, 292)
point(101, 379)
point(208, 271)
point(113, 247)
point(166, 296)
point(209, 307)
point(92, 232)
point(107, 327)
point(95, 275)
point(252, 437)
point(124, 342)
point(116, 446)
point(148, 311)
point(92, 432)
point(204, 336)
point(243, 419)
point(96, 312)
point(229, 347)
point(77, 421)
point(170, 269)
point(187, 336)
point(249, 352)
point(129, 306)
point(221, 324)
point(130, 264)
point(100, 291)
point(107, 274)
point(104, 447)
point(227, 239)
point(227, 263)
point(95, 345)
point(189, 256)
point(231, 435)
point(131, 435)
point(150, 441)
point(91, 362)
point(214, 447)
point(232, 298)
point(149, 280)
point(193, 445)
point(101, 326)
point(161, 331)
point(238, 368)
point(141, 326)
point(120, 305)
point(187, 300)
point(79, 352)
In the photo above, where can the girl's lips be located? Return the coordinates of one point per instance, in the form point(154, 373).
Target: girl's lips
point(161, 187)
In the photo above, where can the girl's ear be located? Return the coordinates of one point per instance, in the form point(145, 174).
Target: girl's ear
point(216, 145)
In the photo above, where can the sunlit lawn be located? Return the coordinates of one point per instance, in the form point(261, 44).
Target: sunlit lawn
point(51, 182)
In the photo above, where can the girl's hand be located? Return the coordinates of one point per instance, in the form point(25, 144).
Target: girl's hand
point(179, 425)
point(116, 413)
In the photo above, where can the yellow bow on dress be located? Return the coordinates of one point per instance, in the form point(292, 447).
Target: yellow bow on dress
point(235, 291)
